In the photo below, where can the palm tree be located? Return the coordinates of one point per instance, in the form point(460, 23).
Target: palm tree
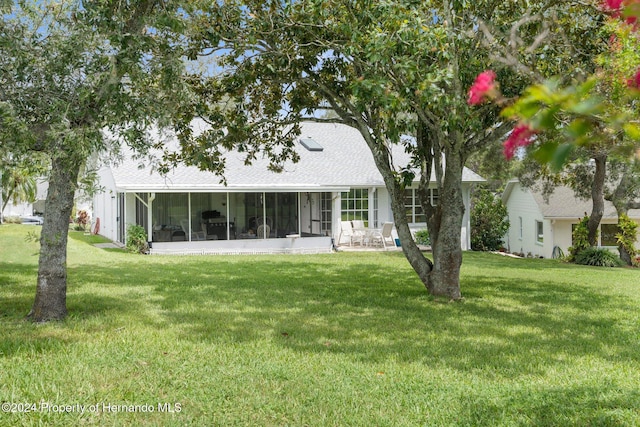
point(19, 185)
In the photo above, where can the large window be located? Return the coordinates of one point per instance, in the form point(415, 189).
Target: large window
point(413, 208)
point(608, 234)
point(355, 205)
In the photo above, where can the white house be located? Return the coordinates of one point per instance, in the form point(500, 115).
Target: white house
point(538, 226)
point(300, 209)
point(27, 209)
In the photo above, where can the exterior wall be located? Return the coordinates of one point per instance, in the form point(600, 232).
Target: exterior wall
point(106, 209)
point(562, 233)
point(466, 219)
point(105, 206)
point(292, 245)
point(521, 204)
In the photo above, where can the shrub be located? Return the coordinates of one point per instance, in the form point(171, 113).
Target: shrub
point(81, 221)
point(137, 240)
point(580, 238)
point(489, 222)
point(422, 237)
point(598, 257)
point(12, 220)
point(627, 237)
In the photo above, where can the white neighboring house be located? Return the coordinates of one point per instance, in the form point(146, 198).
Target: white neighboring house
point(24, 210)
point(300, 209)
point(538, 226)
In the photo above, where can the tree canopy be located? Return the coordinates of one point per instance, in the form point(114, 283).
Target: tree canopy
point(390, 69)
point(70, 71)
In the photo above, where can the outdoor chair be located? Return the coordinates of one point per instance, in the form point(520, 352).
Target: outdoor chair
point(384, 235)
point(263, 231)
point(346, 230)
point(195, 235)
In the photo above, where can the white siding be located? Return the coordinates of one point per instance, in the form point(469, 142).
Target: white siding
point(105, 206)
point(521, 204)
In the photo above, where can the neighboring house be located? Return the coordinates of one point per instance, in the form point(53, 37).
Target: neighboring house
point(28, 209)
point(538, 226)
point(298, 210)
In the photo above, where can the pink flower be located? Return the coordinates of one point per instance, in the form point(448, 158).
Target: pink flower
point(617, 8)
point(521, 136)
point(483, 86)
point(613, 4)
point(634, 82)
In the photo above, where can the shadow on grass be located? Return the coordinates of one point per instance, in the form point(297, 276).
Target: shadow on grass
point(371, 311)
point(602, 405)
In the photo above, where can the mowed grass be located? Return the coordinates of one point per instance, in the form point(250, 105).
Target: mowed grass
point(346, 339)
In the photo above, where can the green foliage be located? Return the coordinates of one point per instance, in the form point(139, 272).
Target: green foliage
point(598, 257)
point(580, 238)
point(137, 240)
point(81, 221)
point(489, 221)
point(599, 113)
point(628, 234)
point(422, 237)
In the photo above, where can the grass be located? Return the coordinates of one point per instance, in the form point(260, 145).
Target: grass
point(347, 339)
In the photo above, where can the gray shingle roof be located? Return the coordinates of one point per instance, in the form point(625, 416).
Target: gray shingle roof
point(345, 161)
point(563, 204)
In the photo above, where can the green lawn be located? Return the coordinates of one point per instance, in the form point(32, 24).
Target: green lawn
point(347, 339)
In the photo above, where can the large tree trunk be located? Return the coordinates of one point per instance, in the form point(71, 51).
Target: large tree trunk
point(444, 229)
point(597, 197)
point(51, 292)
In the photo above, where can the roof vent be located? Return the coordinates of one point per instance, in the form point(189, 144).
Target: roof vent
point(311, 144)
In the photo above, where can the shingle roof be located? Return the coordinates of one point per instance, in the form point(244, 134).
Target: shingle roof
point(344, 162)
point(563, 204)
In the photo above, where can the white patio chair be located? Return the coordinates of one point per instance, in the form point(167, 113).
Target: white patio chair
point(263, 231)
point(384, 235)
point(195, 235)
point(346, 230)
point(360, 231)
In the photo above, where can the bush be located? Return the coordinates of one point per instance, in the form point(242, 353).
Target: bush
point(137, 240)
point(422, 237)
point(598, 257)
point(489, 222)
point(580, 238)
point(627, 237)
point(81, 221)
point(12, 220)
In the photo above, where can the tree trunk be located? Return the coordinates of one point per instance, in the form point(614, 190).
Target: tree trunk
point(597, 197)
point(446, 241)
point(620, 199)
point(51, 291)
point(420, 264)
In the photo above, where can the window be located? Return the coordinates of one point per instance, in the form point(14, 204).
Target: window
point(520, 227)
point(325, 213)
point(355, 205)
point(539, 232)
point(412, 205)
point(608, 234)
